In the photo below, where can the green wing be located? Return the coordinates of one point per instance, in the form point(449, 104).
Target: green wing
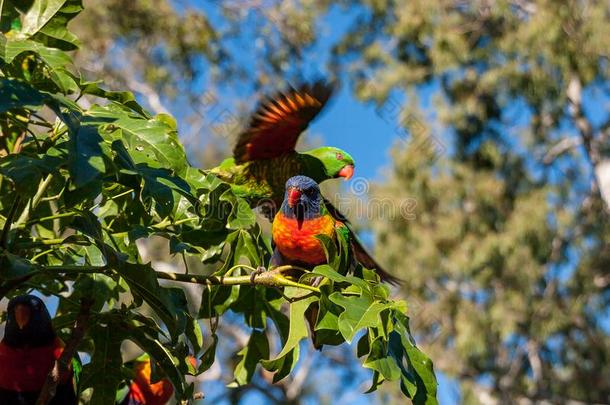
point(357, 248)
point(344, 242)
point(77, 369)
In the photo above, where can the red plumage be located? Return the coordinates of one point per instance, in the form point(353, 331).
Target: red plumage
point(25, 369)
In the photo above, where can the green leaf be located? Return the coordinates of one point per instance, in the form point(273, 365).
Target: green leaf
point(160, 353)
point(297, 331)
point(13, 266)
point(86, 156)
point(157, 184)
point(194, 333)
point(106, 360)
point(246, 246)
point(100, 287)
point(38, 15)
point(256, 349)
point(55, 33)
point(379, 361)
point(149, 141)
point(53, 57)
point(241, 215)
point(331, 274)
point(418, 379)
point(273, 309)
point(125, 98)
point(208, 356)
point(216, 300)
point(142, 280)
point(282, 366)
point(360, 312)
point(25, 173)
point(16, 94)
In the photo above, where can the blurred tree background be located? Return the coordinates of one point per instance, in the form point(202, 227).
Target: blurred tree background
point(506, 150)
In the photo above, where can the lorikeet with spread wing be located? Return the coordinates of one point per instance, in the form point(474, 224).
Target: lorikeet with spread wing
point(302, 216)
point(264, 157)
point(142, 391)
point(27, 354)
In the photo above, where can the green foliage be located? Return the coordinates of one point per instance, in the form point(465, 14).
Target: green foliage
point(80, 184)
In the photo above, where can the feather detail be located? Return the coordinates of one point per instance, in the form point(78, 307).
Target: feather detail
point(297, 241)
point(277, 123)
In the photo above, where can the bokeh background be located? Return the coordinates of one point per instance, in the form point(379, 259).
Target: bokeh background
point(481, 133)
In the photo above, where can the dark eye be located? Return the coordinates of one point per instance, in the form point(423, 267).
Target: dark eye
point(339, 156)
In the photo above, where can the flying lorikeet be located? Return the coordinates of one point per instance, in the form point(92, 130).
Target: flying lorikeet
point(27, 354)
point(264, 157)
point(303, 216)
point(142, 391)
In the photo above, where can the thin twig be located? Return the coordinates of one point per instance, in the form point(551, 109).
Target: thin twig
point(7, 224)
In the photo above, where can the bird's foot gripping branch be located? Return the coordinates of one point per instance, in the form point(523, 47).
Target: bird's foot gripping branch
point(81, 183)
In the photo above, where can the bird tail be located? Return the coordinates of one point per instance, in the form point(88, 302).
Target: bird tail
point(367, 261)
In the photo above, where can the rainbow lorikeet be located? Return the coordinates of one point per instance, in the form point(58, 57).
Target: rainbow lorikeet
point(264, 157)
point(303, 216)
point(28, 352)
point(142, 391)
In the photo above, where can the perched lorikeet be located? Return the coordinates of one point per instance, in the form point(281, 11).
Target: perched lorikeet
point(142, 391)
point(27, 354)
point(303, 216)
point(264, 157)
point(300, 219)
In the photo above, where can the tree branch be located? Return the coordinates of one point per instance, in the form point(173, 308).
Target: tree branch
point(574, 93)
point(560, 148)
point(271, 278)
point(62, 364)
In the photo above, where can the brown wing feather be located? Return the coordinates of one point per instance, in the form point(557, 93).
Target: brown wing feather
point(362, 256)
point(277, 123)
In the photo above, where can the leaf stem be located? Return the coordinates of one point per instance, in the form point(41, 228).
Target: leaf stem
point(42, 188)
point(51, 217)
point(7, 224)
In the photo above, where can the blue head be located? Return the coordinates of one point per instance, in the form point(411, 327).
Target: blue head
point(302, 199)
point(28, 323)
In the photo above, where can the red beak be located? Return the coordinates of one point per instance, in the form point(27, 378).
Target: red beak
point(294, 195)
point(347, 172)
point(22, 315)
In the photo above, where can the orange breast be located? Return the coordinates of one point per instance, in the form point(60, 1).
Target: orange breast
point(299, 242)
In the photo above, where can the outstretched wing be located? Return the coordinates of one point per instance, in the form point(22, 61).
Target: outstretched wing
point(277, 123)
point(360, 253)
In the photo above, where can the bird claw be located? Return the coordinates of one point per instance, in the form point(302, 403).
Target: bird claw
point(317, 281)
point(259, 270)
